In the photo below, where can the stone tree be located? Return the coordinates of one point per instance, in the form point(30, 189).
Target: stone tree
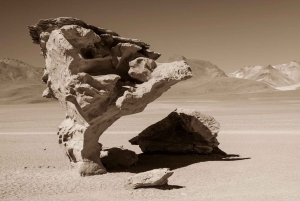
point(98, 77)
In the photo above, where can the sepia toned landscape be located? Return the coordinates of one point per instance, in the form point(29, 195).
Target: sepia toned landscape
point(100, 116)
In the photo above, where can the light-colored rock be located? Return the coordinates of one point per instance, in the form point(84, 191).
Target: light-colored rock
point(156, 177)
point(87, 71)
point(141, 68)
point(182, 131)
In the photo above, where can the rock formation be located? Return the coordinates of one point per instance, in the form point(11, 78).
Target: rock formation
point(182, 131)
point(98, 77)
point(156, 177)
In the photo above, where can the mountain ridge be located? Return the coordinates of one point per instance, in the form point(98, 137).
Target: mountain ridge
point(209, 79)
point(277, 76)
point(200, 68)
point(20, 83)
point(13, 70)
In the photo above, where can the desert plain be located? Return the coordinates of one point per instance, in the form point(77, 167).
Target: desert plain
point(260, 132)
point(244, 57)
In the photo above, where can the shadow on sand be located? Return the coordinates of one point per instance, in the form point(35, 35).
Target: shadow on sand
point(148, 162)
point(165, 187)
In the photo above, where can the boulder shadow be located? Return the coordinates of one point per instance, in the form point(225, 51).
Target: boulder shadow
point(148, 162)
point(165, 187)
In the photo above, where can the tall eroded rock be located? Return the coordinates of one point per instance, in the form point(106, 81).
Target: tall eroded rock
point(98, 77)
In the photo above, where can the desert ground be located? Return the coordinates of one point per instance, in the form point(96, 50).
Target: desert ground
point(260, 132)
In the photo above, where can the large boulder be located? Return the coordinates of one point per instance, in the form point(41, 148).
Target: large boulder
point(87, 70)
point(182, 131)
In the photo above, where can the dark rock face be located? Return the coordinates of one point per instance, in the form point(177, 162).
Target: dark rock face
point(118, 157)
point(182, 131)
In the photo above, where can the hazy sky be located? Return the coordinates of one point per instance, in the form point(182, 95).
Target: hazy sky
point(229, 33)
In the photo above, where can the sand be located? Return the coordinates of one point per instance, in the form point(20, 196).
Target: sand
point(263, 131)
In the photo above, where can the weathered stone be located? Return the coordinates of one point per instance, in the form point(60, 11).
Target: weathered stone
point(156, 177)
point(47, 93)
point(118, 157)
point(87, 71)
point(182, 131)
point(47, 25)
point(150, 54)
point(141, 68)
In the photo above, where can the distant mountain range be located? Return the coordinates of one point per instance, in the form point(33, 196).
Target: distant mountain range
point(283, 76)
point(201, 69)
point(21, 83)
point(209, 79)
point(12, 70)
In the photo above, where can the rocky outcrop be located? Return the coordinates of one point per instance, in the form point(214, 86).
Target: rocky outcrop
point(182, 131)
point(156, 177)
point(98, 77)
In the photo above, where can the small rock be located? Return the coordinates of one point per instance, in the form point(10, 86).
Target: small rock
point(156, 177)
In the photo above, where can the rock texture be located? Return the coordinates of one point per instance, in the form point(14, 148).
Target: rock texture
point(98, 77)
point(156, 177)
point(182, 131)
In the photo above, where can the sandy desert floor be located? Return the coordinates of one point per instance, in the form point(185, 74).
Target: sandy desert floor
point(263, 131)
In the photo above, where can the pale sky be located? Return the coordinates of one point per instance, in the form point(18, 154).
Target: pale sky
point(228, 33)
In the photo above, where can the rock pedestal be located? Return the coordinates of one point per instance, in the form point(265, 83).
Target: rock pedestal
point(98, 77)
